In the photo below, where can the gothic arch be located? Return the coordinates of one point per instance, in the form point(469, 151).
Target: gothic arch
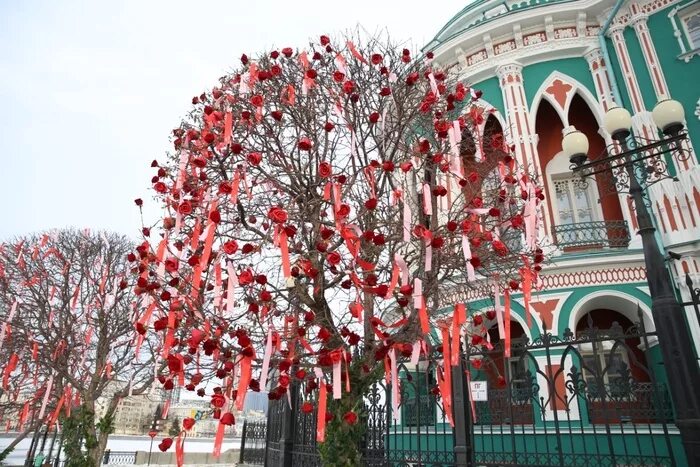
point(559, 90)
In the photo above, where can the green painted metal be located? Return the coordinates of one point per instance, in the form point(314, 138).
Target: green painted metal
point(537, 441)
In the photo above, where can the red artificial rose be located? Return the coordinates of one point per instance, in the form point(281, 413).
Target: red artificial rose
point(325, 40)
point(385, 92)
point(304, 144)
point(277, 215)
point(374, 117)
point(230, 247)
point(311, 73)
point(328, 127)
point(185, 208)
point(215, 216)
point(245, 277)
point(171, 265)
point(257, 100)
point(275, 70)
point(412, 79)
point(348, 87)
point(227, 419)
point(324, 334)
point(160, 187)
point(218, 400)
point(371, 204)
point(138, 202)
point(287, 52)
point(254, 158)
point(274, 54)
point(307, 407)
point(499, 247)
point(325, 170)
point(165, 444)
point(376, 59)
point(388, 166)
point(276, 114)
point(188, 423)
point(343, 210)
point(334, 258)
point(350, 418)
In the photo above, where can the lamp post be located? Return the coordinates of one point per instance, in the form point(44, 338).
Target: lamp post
point(631, 165)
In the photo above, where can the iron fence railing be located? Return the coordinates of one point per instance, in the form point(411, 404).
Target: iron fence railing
point(586, 235)
point(253, 442)
point(119, 458)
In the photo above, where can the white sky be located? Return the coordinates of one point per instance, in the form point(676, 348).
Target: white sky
point(91, 89)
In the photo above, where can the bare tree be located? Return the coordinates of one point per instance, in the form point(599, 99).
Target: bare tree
point(67, 307)
point(316, 206)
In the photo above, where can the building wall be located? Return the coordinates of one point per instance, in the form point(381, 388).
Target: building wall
point(530, 59)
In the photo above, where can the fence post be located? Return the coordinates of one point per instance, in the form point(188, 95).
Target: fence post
point(462, 431)
point(243, 436)
point(287, 438)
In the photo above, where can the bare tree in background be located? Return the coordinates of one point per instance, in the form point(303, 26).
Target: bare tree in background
point(67, 310)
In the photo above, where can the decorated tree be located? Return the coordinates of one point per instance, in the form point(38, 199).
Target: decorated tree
point(317, 205)
point(67, 310)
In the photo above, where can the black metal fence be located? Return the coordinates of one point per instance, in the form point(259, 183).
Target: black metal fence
point(591, 397)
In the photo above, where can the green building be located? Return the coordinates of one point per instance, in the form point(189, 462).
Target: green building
point(546, 67)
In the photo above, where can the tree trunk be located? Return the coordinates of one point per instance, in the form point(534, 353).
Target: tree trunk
point(341, 447)
point(98, 452)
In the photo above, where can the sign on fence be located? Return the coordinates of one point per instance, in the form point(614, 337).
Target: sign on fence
point(479, 390)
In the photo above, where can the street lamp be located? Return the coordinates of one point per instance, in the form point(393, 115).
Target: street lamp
point(631, 165)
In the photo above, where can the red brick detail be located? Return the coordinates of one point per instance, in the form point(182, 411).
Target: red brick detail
point(559, 90)
point(546, 311)
point(669, 213)
point(559, 389)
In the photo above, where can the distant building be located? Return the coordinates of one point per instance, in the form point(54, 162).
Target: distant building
point(134, 414)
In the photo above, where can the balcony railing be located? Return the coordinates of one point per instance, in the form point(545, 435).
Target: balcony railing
point(592, 235)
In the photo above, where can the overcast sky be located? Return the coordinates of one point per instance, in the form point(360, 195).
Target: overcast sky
point(89, 90)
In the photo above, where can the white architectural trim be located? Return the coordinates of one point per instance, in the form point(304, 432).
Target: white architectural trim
point(622, 302)
point(578, 87)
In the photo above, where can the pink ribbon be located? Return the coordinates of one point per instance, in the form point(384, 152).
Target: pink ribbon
point(266, 359)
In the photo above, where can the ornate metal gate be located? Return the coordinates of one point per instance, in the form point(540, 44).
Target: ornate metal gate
point(594, 397)
point(591, 397)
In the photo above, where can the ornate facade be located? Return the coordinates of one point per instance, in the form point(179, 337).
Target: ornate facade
point(545, 66)
point(542, 68)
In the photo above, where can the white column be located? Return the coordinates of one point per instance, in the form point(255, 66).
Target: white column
point(521, 133)
point(606, 98)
